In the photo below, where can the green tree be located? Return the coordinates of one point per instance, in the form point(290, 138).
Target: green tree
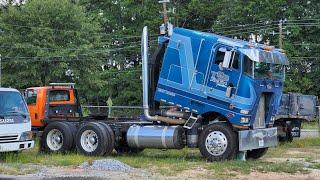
point(42, 40)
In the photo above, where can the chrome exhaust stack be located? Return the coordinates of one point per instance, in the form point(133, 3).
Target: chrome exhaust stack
point(145, 84)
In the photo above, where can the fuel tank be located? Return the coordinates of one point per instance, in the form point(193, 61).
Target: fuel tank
point(160, 137)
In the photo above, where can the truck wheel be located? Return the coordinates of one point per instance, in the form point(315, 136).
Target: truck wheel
point(57, 137)
point(256, 153)
point(218, 142)
point(111, 138)
point(92, 139)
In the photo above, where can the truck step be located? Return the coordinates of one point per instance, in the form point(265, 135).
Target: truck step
point(190, 122)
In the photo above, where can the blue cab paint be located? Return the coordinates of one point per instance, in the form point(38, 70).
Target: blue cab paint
point(194, 78)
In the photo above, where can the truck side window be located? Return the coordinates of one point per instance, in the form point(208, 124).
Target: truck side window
point(235, 60)
point(59, 95)
point(31, 97)
point(220, 56)
point(229, 59)
point(247, 66)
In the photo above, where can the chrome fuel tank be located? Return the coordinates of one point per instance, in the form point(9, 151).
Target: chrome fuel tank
point(166, 137)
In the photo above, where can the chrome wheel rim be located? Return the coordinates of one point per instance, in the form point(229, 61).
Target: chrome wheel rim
point(216, 143)
point(55, 139)
point(89, 140)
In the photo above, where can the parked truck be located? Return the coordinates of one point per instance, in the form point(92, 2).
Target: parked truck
point(295, 108)
point(226, 93)
point(15, 125)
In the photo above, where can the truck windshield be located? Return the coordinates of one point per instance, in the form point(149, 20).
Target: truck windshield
point(263, 70)
point(12, 103)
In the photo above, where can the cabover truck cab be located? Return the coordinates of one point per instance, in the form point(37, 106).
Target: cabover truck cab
point(15, 125)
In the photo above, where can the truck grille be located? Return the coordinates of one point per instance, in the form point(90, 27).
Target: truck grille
point(8, 138)
point(260, 119)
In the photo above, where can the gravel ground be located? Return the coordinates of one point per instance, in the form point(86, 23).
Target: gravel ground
point(99, 169)
point(107, 165)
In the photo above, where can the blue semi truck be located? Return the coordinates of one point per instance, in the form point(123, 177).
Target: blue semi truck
point(227, 92)
point(224, 95)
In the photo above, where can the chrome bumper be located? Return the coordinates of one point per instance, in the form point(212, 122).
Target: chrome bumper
point(257, 138)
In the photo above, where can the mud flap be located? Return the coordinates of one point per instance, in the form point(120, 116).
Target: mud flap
point(295, 128)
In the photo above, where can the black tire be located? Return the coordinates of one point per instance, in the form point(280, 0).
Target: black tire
point(228, 135)
point(66, 139)
point(256, 153)
point(111, 138)
point(73, 129)
point(101, 139)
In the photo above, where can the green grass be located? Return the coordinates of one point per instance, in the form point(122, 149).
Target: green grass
point(310, 125)
point(174, 162)
point(16, 169)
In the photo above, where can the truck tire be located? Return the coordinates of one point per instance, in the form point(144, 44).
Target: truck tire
point(73, 129)
point(218, 142)
point(110, 140)
point(57, 137)
point(92, 139)
point(256, 153)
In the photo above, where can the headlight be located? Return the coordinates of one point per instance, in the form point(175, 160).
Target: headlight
point(273, 118)
point(26, 136)
point(244, 120)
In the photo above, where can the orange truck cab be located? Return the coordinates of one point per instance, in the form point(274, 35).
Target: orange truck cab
point(59, 101)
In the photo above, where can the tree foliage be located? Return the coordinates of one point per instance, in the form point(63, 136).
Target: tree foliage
point(47, 38)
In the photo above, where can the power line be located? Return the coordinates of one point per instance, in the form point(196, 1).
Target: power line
point(63, 30)
point(69, 49)
point(44, 57)
point(113, 36)
point(305, 57)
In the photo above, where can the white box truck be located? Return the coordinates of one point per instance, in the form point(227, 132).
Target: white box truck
point(15, 124)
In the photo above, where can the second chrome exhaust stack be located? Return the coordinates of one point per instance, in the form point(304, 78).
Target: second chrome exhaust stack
point(145, 84)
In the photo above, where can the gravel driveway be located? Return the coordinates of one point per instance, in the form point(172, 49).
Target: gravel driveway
point(99, 169)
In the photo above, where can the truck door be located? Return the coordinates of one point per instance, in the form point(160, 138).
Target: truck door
point(31, 98)
point(224, 73)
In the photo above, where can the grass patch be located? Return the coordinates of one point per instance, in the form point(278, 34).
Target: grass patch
point(16, 169)
point(302, 143)
point(310, 125)
point(246, 167)
point(316, 166)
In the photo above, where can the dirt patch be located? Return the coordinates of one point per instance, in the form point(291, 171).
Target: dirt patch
point(194, 173)
point(313, 175)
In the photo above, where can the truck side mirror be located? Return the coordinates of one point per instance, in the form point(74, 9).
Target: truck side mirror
point(227, 59)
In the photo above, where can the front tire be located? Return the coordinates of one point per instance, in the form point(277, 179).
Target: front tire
point(218, 142)
point(256, 153)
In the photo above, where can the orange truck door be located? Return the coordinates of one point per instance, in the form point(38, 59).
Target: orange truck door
point(31, 97)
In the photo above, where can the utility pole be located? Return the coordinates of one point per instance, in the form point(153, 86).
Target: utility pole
point(165, 11)
point(280, 35)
